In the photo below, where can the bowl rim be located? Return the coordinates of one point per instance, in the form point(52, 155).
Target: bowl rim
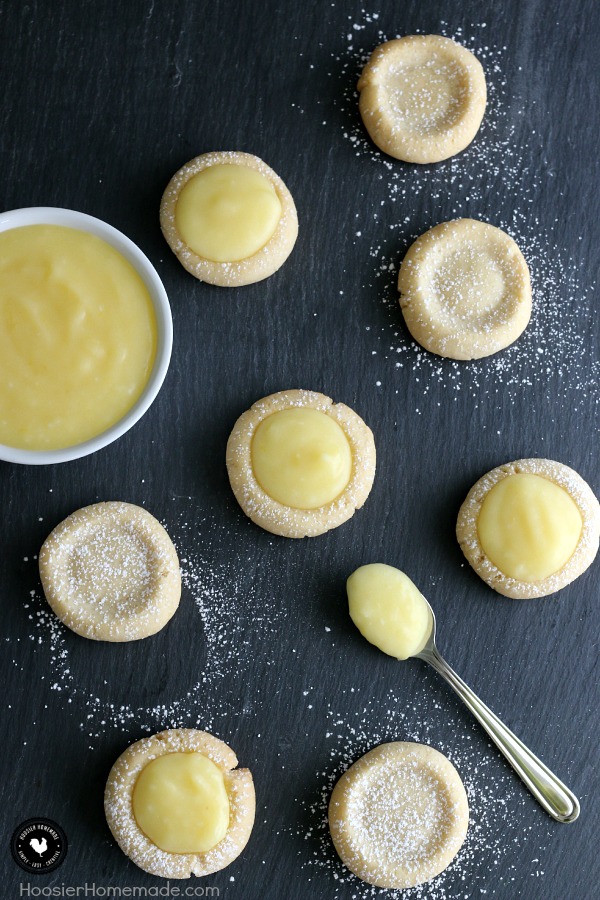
point(70, 218)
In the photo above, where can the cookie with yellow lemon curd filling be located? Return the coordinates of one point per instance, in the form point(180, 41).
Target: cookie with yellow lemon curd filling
point(177, 805)
point(110, 572)
point(229, 218)
point(465, 290)
point(422, 97)
point(399, 815)
point(529, 527)
point(300, 464)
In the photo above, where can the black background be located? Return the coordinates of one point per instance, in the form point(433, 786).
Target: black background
point(101, 103)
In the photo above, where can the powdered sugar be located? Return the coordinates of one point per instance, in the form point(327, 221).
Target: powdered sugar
point(501, 828)
point(496, 179)
point(222, 594)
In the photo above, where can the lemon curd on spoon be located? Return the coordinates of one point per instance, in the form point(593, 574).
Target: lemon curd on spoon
point(389, 610)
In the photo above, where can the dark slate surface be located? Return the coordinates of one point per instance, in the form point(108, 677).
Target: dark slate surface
point(101, 102)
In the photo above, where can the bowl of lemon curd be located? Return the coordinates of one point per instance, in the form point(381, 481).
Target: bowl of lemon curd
point(85, 335)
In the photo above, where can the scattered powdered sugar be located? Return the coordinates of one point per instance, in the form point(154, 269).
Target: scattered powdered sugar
point(490, 145)
point(502, 831)
point(224, 600)
point(554, 345)
point(496, 179)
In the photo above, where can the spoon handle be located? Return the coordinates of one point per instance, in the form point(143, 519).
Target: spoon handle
point(548, 790)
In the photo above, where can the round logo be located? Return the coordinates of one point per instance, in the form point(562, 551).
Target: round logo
point(39, 845)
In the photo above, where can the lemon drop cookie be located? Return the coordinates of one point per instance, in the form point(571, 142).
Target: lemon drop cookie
point(399, 815)
point(465, 290)
point(300, 464)
point(177, 805)
point(422, 97)
point(110, 572)
point(529, 527)
point(229, 218)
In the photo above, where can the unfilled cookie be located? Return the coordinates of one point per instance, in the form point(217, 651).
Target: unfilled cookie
point(529, 527)
point(196, 800)
point(422, 97)
point(110, 572)
point(465, 290)
point(399, 815)
point(229, 218)
point(300, 464)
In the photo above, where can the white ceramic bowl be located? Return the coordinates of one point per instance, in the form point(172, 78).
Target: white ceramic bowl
point(47, 215)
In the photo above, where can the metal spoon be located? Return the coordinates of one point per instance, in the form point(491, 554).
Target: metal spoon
point(548, 790)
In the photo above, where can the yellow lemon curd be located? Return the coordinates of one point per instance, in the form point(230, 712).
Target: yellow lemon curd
point(389, 610)
point(227, 213)
point(180, 802)
point(77, 337)
point(301, 457)
point(529, 527)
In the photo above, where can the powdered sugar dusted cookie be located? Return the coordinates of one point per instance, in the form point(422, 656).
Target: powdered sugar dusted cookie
point(110, 572)
point(422, 97)
point(529, 527)
point(300, 464)
point(177, 805)
point(399, 815)
point(229, 218)
point(465, 290)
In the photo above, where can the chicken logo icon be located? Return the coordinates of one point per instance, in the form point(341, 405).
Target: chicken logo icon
point(39, 845)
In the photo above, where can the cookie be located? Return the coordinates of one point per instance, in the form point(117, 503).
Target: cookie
point(422, 97)
point(465, 290)
point(300, 464)
point(399, 815)
point(184, 787)
point(229, 218)
point(529, 527)
point(110, 572)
